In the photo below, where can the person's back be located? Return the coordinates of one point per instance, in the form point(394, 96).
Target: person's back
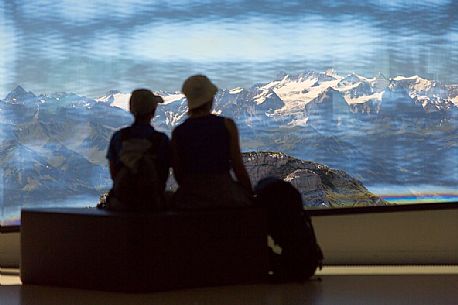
point(205, 148)
point(139, 159)
point(203, 145)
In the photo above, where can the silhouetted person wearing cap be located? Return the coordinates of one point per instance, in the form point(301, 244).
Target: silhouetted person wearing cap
point(205, 147)
point(128, 144)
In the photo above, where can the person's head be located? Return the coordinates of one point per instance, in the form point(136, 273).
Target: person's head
point(199, 92)
point(143, 104)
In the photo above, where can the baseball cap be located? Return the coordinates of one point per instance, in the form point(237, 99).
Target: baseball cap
point(143, 101)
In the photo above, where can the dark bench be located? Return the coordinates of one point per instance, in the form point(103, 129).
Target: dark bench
point(96, 249)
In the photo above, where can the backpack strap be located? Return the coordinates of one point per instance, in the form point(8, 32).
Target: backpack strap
point(125, 135)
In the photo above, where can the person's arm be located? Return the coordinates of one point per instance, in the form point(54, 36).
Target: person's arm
point(165, 157)
point(236, 156)
point(113, 170)
point(176, 164)
point(112, 156)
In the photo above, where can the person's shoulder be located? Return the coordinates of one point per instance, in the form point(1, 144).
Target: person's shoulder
point(116, 135)
point(163, 142)
point(180, 127)
point(161, 135)
point(225, 118)
point(121, 133)
point(228, 121)
point(231, 127)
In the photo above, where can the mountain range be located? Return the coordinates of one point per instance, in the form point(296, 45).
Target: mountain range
point(378, 130)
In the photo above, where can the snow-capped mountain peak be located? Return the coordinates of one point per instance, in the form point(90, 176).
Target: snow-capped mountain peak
point(18, 94)
point(236, 90)
point(121, 100)
point(116, 99)
point(172, 97)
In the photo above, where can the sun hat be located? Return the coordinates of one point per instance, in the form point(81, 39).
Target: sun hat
point(143, 101)
point(198, 90)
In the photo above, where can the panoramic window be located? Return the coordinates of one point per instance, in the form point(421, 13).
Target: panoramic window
point(354, 102)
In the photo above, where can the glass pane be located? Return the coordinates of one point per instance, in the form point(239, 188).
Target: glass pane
point(365, 92)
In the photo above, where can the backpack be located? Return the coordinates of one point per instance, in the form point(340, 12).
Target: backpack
point(290, 227)
point(137, 185)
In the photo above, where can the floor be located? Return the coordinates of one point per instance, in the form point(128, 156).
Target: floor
point(429, 285)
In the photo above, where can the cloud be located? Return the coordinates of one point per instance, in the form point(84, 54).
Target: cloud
point(88, 43)
point(7, 54)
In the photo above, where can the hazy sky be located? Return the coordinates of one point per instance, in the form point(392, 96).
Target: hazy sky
point(92, 46)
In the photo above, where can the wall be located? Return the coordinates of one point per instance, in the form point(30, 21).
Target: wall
point(407, 237)
point(9, 249)
point(404, 237)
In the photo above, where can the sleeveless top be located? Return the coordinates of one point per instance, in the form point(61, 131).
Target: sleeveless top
point(202, 145)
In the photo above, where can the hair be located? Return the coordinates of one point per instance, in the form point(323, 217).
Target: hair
point(202, 109)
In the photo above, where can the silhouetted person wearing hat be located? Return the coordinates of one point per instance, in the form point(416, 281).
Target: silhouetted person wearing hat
point(205, 147)
point(128, 147)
